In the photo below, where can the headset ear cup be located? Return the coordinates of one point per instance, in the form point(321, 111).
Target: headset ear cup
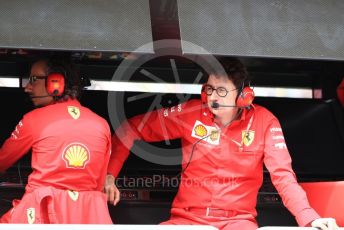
point(203, 95)
point(245, 98)
point(340, 92)
point(55, 84)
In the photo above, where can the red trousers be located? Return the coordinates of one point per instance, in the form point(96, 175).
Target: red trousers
point(181, 216)
point(49, 205)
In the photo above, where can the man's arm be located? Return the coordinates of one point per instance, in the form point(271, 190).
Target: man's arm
point(16, 145)
point(157, 125)
point(111, 190)
point(278, 162)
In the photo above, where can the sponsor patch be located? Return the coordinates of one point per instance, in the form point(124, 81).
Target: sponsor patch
point(214, 135)
point(172, 110)
point(277, 137)
point(31, 215)
point(281, 145)
point(76, 155)
point(209, 134)
point(275, 129)
point(74, 195)
point(16, 132)
point(200, 130)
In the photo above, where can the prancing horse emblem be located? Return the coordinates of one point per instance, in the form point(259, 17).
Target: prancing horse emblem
point(74, 112)
point(247, 137)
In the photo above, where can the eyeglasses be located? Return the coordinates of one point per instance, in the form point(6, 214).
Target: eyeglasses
point(33, 79)
point(221, 91)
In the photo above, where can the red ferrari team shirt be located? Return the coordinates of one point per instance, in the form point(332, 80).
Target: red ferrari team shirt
point(226, 170)
point(70, 147)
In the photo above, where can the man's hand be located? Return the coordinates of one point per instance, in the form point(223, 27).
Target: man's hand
point(111, 190)
point(325, 224)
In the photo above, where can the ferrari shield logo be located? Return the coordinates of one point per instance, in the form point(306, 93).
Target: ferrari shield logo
point(215, 135)
point(73, 195)
point(30, 213)
point(247, 137)
point(74, 112)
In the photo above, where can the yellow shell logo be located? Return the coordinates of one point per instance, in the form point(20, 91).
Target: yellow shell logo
point(200, 131)
point(76, 155)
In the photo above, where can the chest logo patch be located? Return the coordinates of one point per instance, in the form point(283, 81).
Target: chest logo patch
point(209, 134)
point(76, 155)
point(30, 213)
point(200, 131)
point(74, 112)
point(215, 135)
point(247, 137)
point(74, 195)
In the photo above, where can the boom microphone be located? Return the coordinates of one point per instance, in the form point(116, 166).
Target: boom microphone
point(39, 96)
point(216, 105)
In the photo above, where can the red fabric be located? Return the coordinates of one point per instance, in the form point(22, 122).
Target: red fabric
point(225, 173)
point(182, 217)
point(48, 205)
point(327, 198)
point(69, 148)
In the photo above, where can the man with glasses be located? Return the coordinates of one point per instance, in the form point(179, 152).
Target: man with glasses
point(38, 95)
point(226, 140)
point(70, 148)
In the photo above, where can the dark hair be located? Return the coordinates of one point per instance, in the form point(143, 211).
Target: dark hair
point(235, 71)
point(73, 83)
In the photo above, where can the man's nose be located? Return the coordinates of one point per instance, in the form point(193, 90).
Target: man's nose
point(28, 88)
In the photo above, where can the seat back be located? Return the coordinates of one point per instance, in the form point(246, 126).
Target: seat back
point(327, 198)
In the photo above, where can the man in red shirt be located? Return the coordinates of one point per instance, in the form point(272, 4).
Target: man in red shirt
point(225, 142)
point(70, 145)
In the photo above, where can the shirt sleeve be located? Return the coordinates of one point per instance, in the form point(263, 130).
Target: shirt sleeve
point(278, 162)
point(16, 145)
point(107, 156)
point(158, 125)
